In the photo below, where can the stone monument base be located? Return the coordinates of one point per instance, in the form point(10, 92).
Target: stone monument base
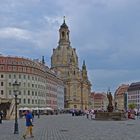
point(117, 116)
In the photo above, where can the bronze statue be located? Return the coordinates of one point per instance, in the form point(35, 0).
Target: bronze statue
point(110, 106)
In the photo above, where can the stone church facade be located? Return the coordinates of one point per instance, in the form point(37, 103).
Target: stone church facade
point(64, 61)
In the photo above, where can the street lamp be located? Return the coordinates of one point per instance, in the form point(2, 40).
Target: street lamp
point(16, 89)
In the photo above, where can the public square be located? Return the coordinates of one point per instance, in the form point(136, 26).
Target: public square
point(67, 127)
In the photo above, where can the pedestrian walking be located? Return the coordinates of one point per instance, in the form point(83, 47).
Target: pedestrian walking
point(87, 114)
point(92, 114)
point(29, 124)
point(73, 112)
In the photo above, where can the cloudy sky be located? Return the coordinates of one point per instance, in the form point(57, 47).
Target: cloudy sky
point(105, 33)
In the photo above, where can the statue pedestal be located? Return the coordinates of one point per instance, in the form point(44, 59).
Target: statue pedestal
point(117, 116)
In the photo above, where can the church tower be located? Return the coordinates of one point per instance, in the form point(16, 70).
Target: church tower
point(84, 71)
point(64, 61)
point(64, 34)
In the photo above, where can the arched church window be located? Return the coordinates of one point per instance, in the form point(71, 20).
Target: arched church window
point(63, 34)
point(67, 35)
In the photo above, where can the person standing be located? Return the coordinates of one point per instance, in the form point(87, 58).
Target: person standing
point(1, 115)
point(92, 114)
point(87, 114)
point(29, 125)
point(73, 112)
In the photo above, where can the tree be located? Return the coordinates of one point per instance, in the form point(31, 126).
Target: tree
point(132, 106)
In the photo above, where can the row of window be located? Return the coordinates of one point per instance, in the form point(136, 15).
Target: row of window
point(16, 62)
point(29, 85)
point(34, 78)
point(33, 93)
point(24, 93)
point(134, 97)
point(36, 70)
point(134, 92)
point(24, 84)
point(31, 101)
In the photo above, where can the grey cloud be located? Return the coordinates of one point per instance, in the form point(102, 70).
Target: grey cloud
point(13, 32)
point(103, 78)
point(104, 32)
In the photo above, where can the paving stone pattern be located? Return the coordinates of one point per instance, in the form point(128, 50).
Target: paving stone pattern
point(67, 127)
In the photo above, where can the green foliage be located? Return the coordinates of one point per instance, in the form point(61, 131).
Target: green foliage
point(132, 106)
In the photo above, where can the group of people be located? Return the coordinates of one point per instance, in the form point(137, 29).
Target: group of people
point(132, 114)
point(77, 112)
point(90, 114)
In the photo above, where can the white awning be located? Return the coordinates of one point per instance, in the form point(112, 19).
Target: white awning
point(36, 108)
point(48, 108)
point(24, 108)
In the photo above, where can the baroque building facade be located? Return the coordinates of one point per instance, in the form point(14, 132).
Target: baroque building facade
point(40, 87)
point(64, 61)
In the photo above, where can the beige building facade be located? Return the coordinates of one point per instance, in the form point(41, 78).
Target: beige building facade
point(100, 101)
point(64, 61)
point(119, 97)
point(39, 87)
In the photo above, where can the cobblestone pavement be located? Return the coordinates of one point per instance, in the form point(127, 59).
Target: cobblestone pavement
point(66, 127)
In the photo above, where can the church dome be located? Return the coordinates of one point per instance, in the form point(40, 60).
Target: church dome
point(64, 55)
